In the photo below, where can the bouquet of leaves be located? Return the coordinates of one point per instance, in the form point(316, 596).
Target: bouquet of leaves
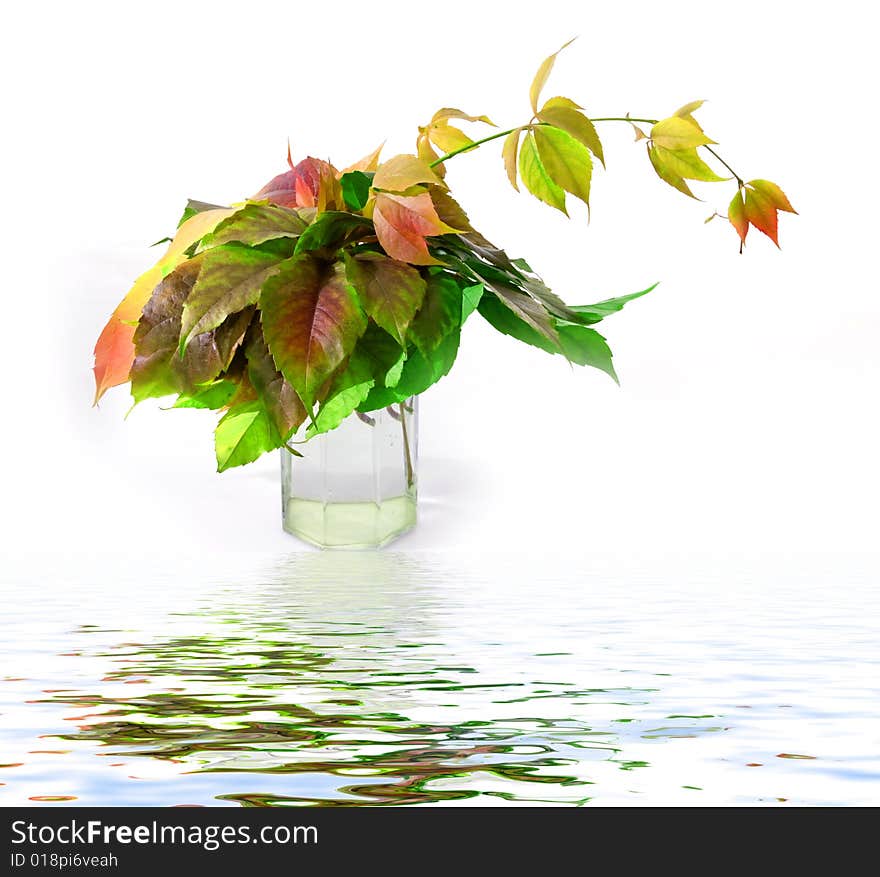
point(334, 292)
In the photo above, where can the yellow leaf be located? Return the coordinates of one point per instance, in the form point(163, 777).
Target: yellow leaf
point(576, 124)
point(508, 153)
point(448, 138)
point(678, 133)
point(427, 154)
point(687, 164)
point(685, 111)
point(447, 113)
point(566, 160)
point(367, 164)
point(667, 174)
point(402, 172)
point(541, 76)
point(774, 194)
point(535, 177)
point(566, 102)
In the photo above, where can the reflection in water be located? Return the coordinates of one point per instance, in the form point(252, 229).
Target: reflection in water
point(380, 679)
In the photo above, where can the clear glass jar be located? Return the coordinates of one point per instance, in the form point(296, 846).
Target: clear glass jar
point(355, 486)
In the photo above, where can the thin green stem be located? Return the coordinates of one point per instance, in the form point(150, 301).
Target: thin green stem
point(738, 178)
point(469, 146)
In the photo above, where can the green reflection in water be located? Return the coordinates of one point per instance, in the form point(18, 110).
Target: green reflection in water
point(335, 673)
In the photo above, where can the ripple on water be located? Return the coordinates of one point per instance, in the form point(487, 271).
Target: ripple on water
point(388, 680)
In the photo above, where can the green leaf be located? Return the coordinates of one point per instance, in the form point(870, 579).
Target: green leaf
point(419, 372)
point(356, 189)
point(509, 322)
point(230, 280)
point(471, 296)
point(368, 365)
point(255, 223)
point(311, 321)
point(528, 311)
point(379, 355)
point(439, 314)
point(279, 399)
point(332, 230)
point(244, 433)
point(538, 290)
point(596, 312)
point(340, 405)
point(213, 395)
point(585, 346)
point(573, 122)
point(390, 291)
point(392, 377)
point(566, 160)
point(535, 177)
point(579, 344)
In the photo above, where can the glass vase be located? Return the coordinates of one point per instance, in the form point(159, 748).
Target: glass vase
point(355, 486)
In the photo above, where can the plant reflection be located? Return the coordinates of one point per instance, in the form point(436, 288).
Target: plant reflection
point(335, 674)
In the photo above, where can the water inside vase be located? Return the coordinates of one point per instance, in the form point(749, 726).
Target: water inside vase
point(355, 486)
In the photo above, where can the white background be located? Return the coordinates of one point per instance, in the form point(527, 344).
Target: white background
point(747, 417)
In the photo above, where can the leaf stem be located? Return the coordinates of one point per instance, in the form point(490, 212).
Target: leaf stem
point(407, 456)
point(469, 146)
point(738, 178)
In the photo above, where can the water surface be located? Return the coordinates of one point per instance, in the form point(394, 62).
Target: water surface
point(390, 679)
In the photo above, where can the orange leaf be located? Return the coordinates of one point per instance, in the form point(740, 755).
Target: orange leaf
point(761, 213)
point(736, 213)
point(757, 204)
point(114, 350)
point(402, 224)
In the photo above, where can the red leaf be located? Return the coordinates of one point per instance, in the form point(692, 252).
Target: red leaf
point(301, 186)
